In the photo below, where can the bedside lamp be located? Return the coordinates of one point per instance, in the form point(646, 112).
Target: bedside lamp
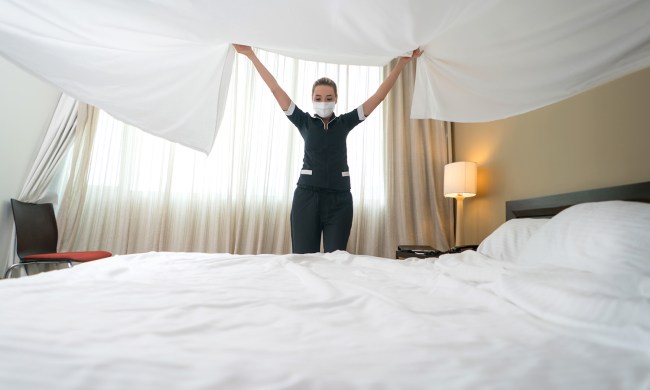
point(460, 183)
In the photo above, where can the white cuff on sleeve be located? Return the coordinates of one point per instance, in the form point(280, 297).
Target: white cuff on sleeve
point(360, 112)
point(292, 107)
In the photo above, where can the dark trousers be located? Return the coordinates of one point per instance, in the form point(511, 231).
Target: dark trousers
point(314, 212)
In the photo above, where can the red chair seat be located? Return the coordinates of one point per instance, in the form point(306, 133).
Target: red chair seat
point(73, 256)
point(37, 235)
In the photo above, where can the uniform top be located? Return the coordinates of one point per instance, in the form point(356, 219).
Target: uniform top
point(325, 164)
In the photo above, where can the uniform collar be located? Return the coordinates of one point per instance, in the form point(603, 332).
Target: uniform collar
point(317, 117)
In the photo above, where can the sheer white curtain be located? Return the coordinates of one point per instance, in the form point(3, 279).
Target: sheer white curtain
point(143, 193)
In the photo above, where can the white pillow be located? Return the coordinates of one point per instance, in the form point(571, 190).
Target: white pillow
point(601, 237)
point(507, 241)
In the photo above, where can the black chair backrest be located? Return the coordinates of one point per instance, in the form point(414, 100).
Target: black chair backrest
point(36, 230)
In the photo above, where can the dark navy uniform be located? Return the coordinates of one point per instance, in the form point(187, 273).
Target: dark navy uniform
point(322, 201)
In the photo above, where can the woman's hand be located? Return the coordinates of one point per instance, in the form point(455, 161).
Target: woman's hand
point(243, 49)
point(414, 55)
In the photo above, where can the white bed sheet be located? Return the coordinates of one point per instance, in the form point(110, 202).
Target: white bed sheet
point(165, 66)
point(321, 321)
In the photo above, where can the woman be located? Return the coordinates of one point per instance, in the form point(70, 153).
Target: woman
point(322, 202)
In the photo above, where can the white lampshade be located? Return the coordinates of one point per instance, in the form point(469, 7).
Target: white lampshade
point(460, 179)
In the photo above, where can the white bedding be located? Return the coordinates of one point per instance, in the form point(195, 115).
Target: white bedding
point(322, 321)
point(164, 66)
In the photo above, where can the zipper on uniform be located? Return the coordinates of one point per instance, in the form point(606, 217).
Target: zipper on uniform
point(326, 125)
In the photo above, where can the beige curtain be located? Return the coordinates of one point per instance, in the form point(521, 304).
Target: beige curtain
point(238, 199)
point(417, 151)
point(72, 226)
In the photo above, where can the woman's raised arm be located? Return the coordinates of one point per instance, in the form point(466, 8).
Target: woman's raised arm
point(283, 99)
point(379, 96)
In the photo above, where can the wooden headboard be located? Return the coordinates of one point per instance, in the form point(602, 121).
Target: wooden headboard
point(548, 206)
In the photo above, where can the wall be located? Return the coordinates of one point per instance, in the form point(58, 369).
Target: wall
point(596, 139)
point(26, 106)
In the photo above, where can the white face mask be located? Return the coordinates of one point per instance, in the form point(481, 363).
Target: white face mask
point(324, 109)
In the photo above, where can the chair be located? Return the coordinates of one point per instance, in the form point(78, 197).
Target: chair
point(37, 236)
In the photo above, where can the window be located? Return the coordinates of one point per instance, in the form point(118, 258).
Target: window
point(257, 152)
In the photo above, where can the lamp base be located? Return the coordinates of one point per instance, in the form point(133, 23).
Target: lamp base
point(459, 221)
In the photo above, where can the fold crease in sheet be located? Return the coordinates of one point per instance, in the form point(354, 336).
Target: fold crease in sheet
point(165, 66)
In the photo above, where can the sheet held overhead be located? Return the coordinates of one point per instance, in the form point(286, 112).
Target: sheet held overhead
point(164, 66)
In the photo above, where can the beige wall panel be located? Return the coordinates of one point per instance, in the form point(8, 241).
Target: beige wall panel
point(595, 139)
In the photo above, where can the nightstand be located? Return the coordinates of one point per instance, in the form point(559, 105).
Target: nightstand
point(425, 251)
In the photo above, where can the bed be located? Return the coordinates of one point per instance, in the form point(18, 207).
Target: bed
point(560, 302)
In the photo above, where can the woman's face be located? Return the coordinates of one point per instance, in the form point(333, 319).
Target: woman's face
point(324, 93)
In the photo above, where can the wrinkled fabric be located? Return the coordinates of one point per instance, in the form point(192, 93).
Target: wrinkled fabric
point(165, 66)
point(321, 321)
